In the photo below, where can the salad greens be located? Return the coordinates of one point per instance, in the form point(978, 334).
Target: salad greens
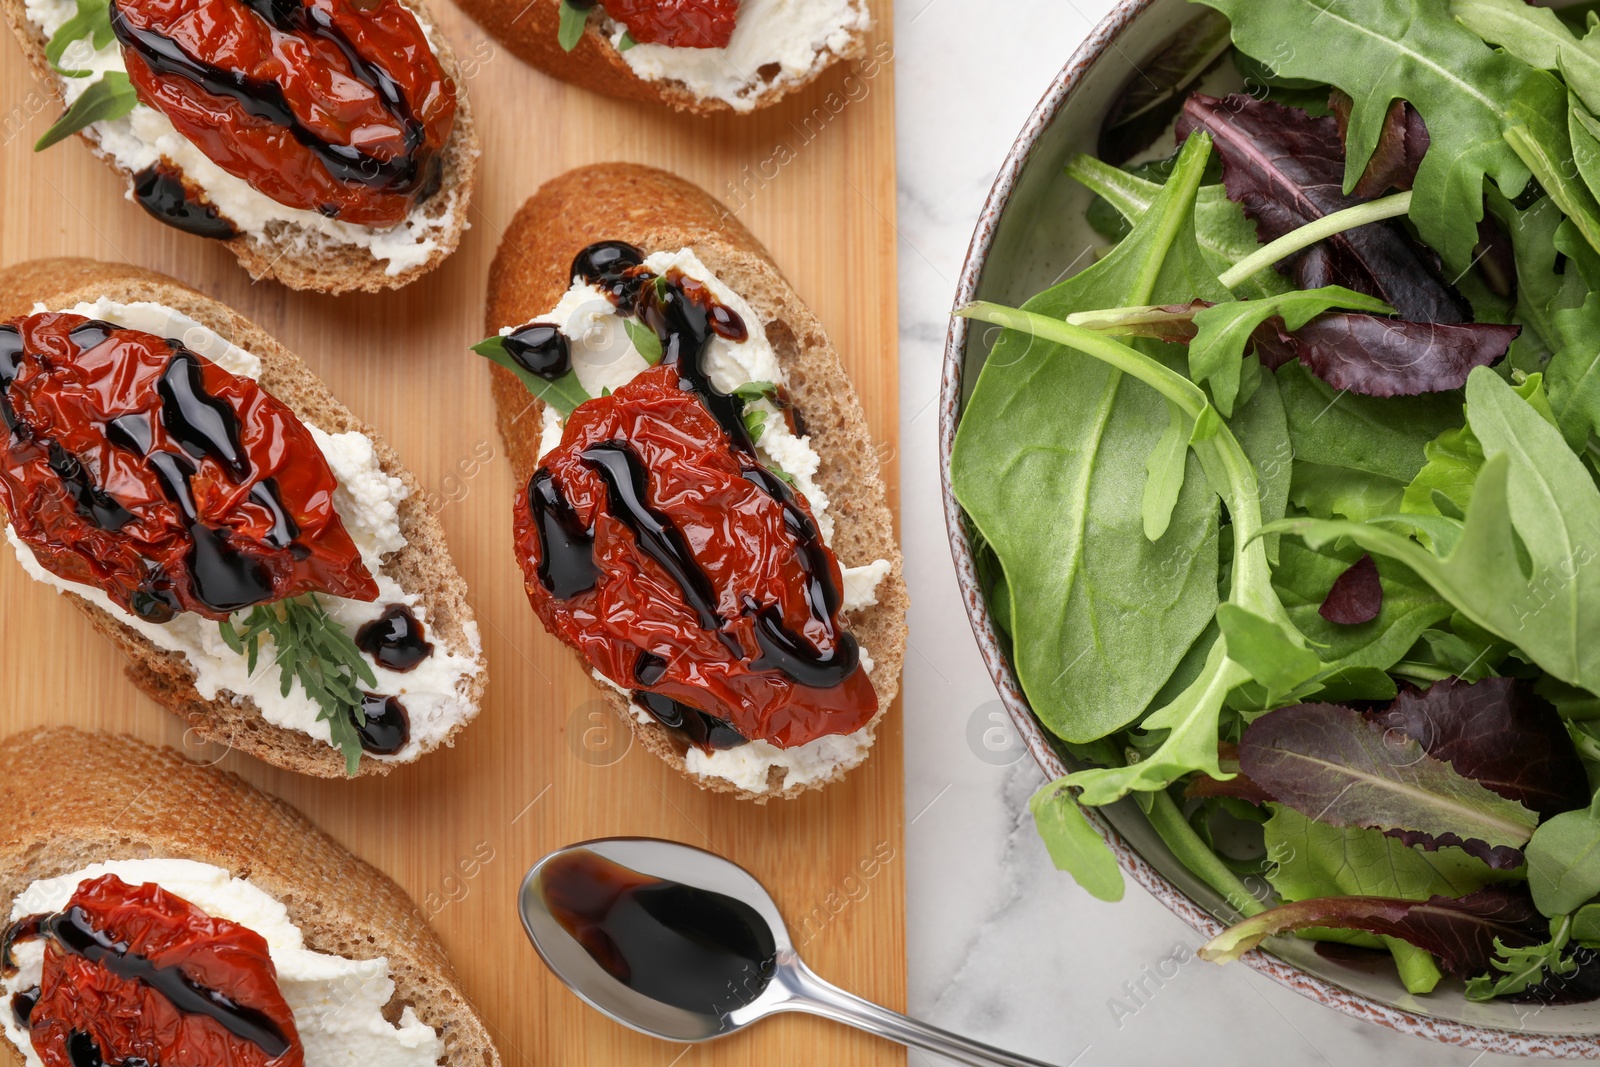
point(1288, 506)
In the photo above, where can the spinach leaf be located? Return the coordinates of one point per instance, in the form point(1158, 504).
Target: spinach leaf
point(1564, 862)
point(1521, 566)
point(1074, 845)
point(1046, 451)
point(1224, 235)
point(1384, 436)
point(1378, 51)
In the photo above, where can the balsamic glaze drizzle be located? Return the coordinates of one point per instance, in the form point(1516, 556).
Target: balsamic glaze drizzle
point(540, 349)
point(702, 729)
point(404, 172)
point(202, 424)
point(71, 932)
point(566, 559)
point(626, 482)
point(11, 350)
point(395, 640)
point(163, 195)
point(383, 724)
point(22, 1005)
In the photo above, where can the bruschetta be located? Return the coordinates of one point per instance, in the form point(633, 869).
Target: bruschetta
point(259, 554)
point(325, 142)
point(702, 515)
point(155, 911)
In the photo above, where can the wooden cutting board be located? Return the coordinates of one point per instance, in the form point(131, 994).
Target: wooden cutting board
point(544, 765)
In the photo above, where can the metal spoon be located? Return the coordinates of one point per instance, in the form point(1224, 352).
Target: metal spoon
point(791, 986)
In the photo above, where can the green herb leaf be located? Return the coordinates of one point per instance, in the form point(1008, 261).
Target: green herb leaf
point(751, 391)
point(92, 20)
point(573, 22)
point(755, 422)
point(564, 393)
point(626, 43)
point(645, 340)
point(1074, 845)
point(1216, 355)
point(109, 98)
point(313, 649)
point(1379, 51)
point(1263, 648)
point(1522, 967)
point(1586, 925)
point(1539, 38)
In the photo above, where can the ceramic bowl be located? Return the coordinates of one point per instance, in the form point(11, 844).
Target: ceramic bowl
point(1031, 234)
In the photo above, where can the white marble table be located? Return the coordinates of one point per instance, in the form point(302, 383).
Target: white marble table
point(1003, 947)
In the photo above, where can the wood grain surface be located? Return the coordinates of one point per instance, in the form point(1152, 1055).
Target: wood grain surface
point(544, 766)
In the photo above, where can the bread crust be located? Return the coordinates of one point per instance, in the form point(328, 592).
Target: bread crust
point(531, 30)
point(658, 211)
point(424, 566)
point(73, 798)
point(326, 267)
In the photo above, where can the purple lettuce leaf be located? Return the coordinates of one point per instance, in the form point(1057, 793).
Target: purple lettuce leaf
point(1460, 932)
point(1356, 596)
point(1332, 764)
point(1286, 169)
point(1377, 356)
point(1239, 787)
point(1402, 143)
point(1497, 732)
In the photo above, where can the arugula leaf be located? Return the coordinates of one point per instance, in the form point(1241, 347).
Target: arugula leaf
point(1328, 491)
point(1074, 845)
point(1401, 147)
point(1539, 38)
point(1521, 565)
point(573, 22)
point(645, 340)
point(626, 43)
point(755, 423)
point(1463, 933)
point(1379, 51)
point(92, 20)
point(756, 391)
point(1225, 330)
point(1573, 373)
point(1283, 167)
point(109, 98)
point(1521, 967)
point(1330, 763)
point(1222, 232)
point(313, 649)
point(564, 393)
point(1048, 444)
point(1564, 862)
point(1545, 145)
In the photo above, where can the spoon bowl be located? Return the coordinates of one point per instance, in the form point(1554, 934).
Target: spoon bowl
point(782, 983)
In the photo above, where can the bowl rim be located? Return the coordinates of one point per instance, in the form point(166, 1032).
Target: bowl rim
point(1490, 1039)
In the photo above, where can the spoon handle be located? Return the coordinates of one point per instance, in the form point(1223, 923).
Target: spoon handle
point(810, 994)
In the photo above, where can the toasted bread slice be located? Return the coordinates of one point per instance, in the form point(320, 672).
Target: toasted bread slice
point(657, 211)
point(423, 566)
point(142, 802)
point(297, 256)
point(532, 29)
